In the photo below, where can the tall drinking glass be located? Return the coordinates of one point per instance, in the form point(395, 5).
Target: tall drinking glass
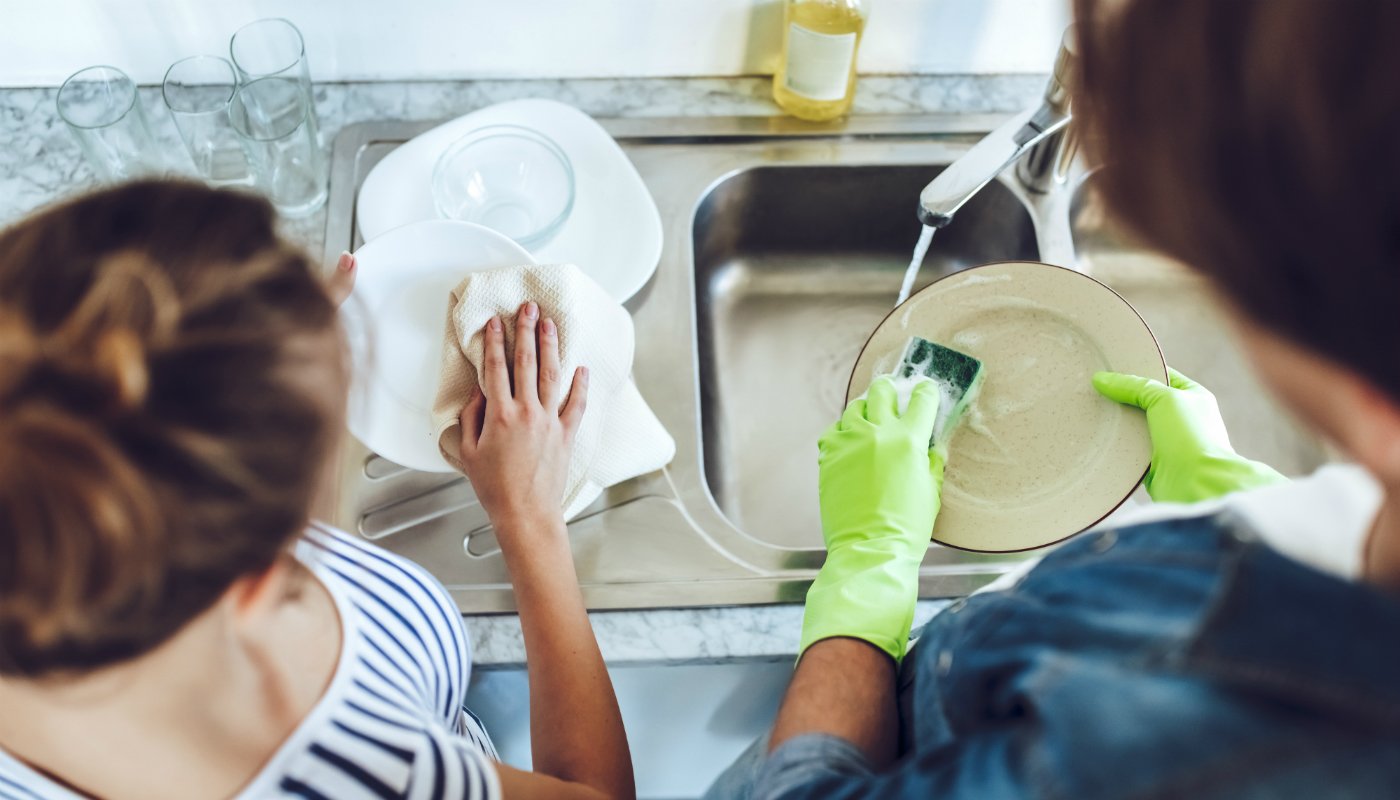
point(100, 106)
point(274, 48)
point(273, 119)
point(197, 90)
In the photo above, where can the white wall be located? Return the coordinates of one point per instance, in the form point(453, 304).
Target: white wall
point(43, 41)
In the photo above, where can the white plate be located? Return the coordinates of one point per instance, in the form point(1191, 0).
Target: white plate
point(614, 231)
point(395, 321)
point(1040, 456)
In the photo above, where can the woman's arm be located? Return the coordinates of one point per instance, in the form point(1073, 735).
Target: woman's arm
point(516, 444)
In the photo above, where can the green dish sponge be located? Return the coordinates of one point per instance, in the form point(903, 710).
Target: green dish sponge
point(958, 375)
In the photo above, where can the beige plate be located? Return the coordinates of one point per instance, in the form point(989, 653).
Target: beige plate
point(1040, 455)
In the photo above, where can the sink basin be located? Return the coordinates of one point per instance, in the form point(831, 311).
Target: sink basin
point(1195, 335)
point(794, 267)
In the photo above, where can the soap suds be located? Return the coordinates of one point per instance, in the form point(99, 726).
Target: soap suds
point(909, 308)
point(997, 303)
point(1008, 451)
point(904, 386)
point(978, 279)
point(965, 339)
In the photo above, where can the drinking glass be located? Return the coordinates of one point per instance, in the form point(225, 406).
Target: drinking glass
point(197, 90)
point(274, 48)
point(100, 106)
point(272, 117)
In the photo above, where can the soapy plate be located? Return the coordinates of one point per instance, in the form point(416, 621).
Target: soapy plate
point(614, 231)
point(395, 322)
point(1040, 456)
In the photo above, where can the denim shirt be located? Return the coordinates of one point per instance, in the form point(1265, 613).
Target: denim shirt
point(1182, 658)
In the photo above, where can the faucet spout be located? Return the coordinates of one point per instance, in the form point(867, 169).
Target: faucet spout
point(1034, 129)
point(1001, 148)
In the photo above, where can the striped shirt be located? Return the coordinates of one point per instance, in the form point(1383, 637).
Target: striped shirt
point(392, 722)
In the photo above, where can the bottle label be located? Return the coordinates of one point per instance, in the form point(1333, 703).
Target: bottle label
point(819, 64)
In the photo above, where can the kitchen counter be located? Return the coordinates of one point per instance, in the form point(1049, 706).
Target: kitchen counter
point(40, 163)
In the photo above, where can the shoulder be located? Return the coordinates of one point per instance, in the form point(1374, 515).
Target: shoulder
point(1182, 657)
point(16, 783)
point(380, 582)
point(323, 545)
point(1163, 737)
point(380, 731)
point(402, 627)
point(1112, 719)
point(371, 747)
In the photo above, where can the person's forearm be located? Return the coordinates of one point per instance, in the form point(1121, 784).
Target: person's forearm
point(575, 725)
point(844, 688)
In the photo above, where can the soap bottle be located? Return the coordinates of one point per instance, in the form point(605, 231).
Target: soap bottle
point(816, 77)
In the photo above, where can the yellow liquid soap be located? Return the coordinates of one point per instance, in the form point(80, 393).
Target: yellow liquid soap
point(816, 76)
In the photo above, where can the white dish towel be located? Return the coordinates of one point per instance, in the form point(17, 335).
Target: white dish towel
point(619, 437)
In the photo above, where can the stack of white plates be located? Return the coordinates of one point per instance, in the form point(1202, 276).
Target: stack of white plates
point(411, 261)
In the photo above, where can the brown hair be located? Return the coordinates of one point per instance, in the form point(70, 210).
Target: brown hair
point(1254, 141)
point(160, 435)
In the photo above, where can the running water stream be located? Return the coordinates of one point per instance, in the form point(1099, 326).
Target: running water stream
point(920, 250)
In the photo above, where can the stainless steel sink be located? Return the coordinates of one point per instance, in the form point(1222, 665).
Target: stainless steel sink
point(794, 267)
point(784, 245)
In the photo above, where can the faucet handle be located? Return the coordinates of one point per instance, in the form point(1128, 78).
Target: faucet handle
point(1057, 91)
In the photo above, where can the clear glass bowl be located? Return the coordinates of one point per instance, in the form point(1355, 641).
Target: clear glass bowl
point(511, 179)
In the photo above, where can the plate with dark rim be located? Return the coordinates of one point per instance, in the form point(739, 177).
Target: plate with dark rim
point(1040, 455)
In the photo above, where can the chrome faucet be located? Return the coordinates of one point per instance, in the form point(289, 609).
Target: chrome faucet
point(1036, 140)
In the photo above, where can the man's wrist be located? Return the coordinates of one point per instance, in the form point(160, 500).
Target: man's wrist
point(846, 644)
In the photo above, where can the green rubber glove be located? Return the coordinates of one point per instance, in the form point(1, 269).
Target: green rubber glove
point(1192, 459)
point(879, 485)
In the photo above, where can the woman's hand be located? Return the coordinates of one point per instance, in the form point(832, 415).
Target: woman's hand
point(517, 440)
point(341, 283)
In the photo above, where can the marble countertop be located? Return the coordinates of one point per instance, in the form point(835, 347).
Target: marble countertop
point(40, 163)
